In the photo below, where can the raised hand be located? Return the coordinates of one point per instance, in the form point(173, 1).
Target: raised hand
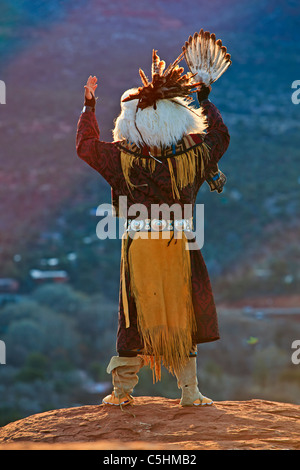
point(90, 87)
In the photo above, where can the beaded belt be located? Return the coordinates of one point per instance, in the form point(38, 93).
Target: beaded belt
point(158, 225)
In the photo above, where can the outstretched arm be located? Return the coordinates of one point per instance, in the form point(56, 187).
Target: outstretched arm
point(217, 138)
point(104, 157)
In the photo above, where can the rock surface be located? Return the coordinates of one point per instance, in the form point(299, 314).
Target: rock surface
point(160, 423)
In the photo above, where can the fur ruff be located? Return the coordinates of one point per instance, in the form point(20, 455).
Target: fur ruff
point(159, 127)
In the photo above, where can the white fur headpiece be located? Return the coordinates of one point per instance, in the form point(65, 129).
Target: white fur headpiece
point(160, 127)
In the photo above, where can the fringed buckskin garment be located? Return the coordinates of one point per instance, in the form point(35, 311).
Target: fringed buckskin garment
point(166, 303)
point(158, 268)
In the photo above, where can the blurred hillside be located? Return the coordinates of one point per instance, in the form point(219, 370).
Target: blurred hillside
point(48, 196)
point(59, 342)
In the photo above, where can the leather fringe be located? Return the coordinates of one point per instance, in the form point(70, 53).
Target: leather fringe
point(155, 366)
point(124, 270)
point(163, 344)
point(186, 165)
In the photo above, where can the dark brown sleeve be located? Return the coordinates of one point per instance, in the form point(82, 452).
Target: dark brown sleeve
point(104, 157)
point(217, 136)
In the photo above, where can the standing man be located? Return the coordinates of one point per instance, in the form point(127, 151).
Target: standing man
point(163, 150)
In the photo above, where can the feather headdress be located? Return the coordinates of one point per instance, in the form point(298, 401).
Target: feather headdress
point(161, 115)
point(206, 57)
point(165, 84)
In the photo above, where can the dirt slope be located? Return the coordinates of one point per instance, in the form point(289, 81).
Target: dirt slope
point(159, 423)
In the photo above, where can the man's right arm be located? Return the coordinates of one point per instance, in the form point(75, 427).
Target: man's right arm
point(217, 138)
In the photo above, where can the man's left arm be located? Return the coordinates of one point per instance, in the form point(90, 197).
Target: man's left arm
point(104, 157)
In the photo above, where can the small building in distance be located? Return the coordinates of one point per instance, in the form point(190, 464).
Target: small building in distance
point(40, 276)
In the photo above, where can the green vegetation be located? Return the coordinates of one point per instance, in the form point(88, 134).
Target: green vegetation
point(53, 339)
point(60, 340)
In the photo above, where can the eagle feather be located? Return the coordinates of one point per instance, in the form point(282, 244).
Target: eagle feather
point(206, 57)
